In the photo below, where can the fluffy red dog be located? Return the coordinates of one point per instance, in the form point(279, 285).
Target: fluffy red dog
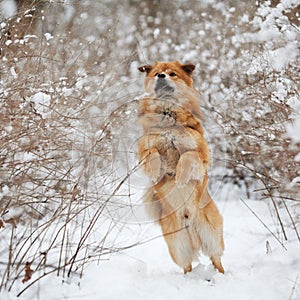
point(175, 156)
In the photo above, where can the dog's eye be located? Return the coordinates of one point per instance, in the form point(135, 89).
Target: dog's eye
point(172, 74)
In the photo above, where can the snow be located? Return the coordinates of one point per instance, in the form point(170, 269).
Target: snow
point(48, 36)
point(42, 103)
point(8, 8)
point(251, 273)
point(293, 131)
point(13, 72)
point(256, 267)
point(283, 56)
point(4, 192)
point(13, 213)
point(156, 32)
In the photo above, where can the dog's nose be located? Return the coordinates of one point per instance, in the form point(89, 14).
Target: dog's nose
point(161, 75)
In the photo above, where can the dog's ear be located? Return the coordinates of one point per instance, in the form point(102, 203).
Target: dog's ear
point(188, 68)
point(146, 68)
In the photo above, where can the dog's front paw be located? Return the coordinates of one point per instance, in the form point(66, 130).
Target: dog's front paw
point(182, 176)
point(189, 166)
point(153, 166)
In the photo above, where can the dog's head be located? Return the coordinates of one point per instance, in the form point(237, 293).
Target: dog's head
point(165, 78)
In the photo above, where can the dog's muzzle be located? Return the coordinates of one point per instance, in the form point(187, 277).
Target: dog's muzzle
point(162, 86)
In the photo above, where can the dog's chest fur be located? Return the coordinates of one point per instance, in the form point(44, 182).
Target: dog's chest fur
point(165, 131)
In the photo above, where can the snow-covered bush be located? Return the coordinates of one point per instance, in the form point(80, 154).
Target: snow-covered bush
point(55, 148)
point(64, 73)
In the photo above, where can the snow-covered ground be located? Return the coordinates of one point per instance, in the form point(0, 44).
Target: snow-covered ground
point(147, 272)
point(256, 265)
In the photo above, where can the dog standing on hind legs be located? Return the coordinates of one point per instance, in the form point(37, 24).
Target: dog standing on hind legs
point(175, 156)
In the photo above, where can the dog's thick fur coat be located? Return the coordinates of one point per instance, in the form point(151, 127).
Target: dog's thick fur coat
point(175, 156)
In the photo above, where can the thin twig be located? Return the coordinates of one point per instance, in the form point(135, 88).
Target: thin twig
point(261, 221)
point(294, 287)
point(292, 220)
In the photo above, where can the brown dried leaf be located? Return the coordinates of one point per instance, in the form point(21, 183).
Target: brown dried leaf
point(28, 272)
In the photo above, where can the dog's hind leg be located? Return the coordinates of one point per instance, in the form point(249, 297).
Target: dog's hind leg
point(179, 241)
point(216, 261)
point(211, 234)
